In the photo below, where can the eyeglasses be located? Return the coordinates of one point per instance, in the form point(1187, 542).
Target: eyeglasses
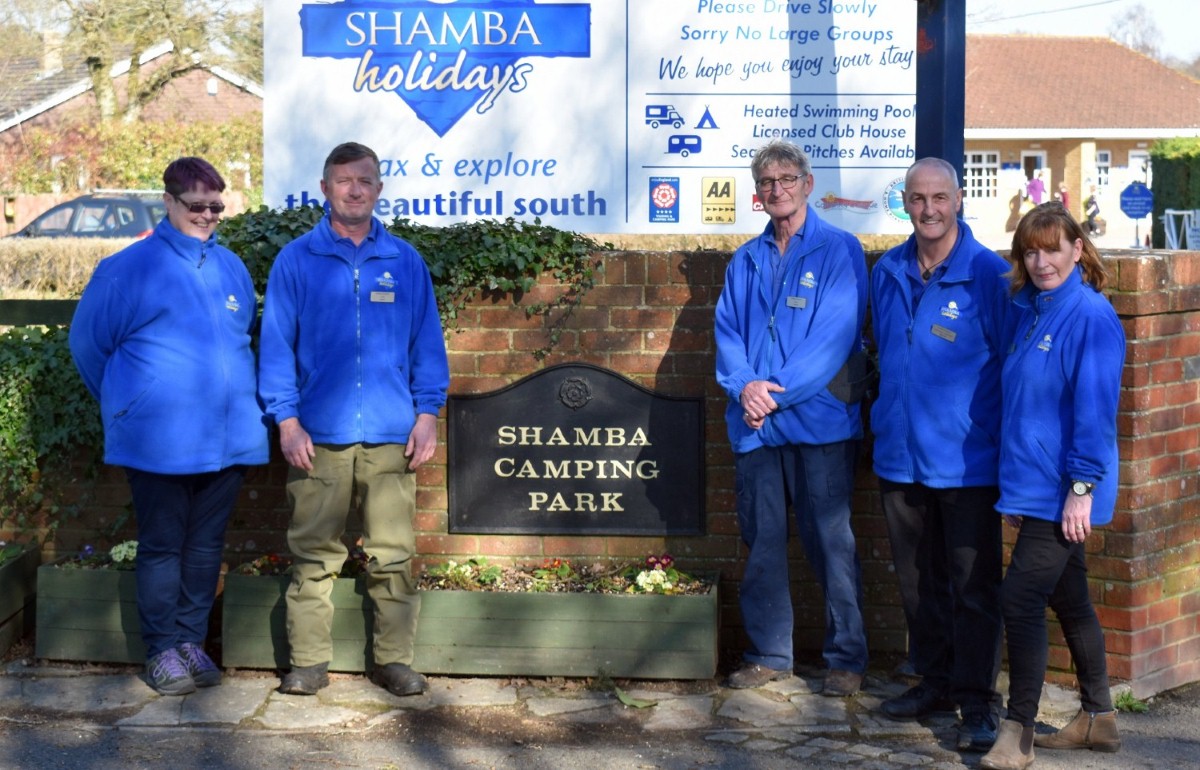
point(197, 207)
point(785, 182)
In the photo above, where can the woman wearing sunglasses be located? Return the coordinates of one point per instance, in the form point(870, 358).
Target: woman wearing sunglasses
point(161, 338)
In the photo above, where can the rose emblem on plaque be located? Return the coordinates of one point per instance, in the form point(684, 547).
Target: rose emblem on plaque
point(575, 392)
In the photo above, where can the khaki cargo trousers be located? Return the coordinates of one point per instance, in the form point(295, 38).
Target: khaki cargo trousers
point(320, 501)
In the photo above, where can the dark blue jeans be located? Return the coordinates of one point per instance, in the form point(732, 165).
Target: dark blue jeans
point(946, 549)
point(818, 480)
point(1048, 571)
point(181, 535)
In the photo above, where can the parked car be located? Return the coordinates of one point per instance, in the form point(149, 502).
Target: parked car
point(99, 215)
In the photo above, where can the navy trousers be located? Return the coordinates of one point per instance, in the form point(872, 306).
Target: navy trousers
point(817, 480)
point(181, 536)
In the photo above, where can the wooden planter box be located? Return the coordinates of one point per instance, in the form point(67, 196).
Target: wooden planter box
point(18, 584)
point(254, 623)
point(88, 614)
point(501, 634)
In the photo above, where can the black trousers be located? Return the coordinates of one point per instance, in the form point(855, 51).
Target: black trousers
point(1047, 570)
point(946, 549)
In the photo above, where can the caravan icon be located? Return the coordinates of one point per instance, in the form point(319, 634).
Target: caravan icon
point(659, 114)
point(683, 144)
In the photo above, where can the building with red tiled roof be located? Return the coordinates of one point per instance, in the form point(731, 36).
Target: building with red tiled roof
point(50, 89)
point(1082, 110)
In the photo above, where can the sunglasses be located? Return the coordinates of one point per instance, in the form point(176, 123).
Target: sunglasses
point(199, 208)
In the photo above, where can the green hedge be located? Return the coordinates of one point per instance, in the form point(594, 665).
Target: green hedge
point(47, 416)
point(1176, 180)
point(466, 260)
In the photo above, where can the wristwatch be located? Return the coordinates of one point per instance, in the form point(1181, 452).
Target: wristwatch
point(1081, 488)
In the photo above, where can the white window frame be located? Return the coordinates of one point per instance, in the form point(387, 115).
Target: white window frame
point(1103, 167)
point(1136, 158)
point(981, 174)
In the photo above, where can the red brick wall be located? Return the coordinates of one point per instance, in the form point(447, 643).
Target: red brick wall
point(650, 319)
point(1145, 568)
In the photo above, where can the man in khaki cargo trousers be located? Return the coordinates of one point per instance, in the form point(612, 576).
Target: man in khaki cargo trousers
point(353, 370)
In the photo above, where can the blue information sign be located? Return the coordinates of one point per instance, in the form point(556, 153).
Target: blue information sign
point(1136, 200)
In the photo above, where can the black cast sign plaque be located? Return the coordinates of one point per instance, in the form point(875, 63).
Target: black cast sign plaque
point(576, 449)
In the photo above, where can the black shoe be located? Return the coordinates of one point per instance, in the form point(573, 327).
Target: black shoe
point(917, 702)
point(305, 680)
point(399, 679)
point(977, 731)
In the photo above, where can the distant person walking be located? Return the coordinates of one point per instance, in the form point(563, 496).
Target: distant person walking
point(1091, 210)
point(1035, 189)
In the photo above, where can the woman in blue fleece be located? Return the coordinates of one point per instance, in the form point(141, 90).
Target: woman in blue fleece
point(1058, 475)
point(161, 338)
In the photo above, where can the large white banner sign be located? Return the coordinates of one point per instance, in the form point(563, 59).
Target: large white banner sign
point(617, 116)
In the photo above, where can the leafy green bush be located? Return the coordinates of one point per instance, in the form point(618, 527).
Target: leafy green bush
point(46, 415)
point(484, 258)
point(1176, 180)
point(87, 155)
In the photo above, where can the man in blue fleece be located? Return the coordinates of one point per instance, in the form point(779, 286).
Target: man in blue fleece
point(938, 304)
point(789, 317)
point(353, 370)
point(161, 338)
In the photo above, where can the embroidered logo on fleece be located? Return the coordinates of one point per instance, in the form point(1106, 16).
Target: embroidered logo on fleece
point(386, 281)
point(231, 302)
point(1046, 343)
point(951, 310)
point(808, 280)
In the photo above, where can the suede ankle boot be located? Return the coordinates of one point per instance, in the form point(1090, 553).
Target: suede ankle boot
point(1095, 731)
point(1013, 749)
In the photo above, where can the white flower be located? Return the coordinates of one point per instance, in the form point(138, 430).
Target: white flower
point(652, 580)
point(124, 552)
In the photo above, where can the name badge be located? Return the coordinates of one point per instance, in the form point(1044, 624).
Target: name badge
point(383, 296)
point(941, 331)
point(797, 302)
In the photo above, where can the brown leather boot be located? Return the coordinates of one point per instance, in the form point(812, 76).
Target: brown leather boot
point(1097, 732)
point(1013, 749)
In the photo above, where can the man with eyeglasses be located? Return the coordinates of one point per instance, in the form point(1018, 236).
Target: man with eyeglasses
point(788, 320)
point(161, 337)
point(938, 309)
point(353, 370)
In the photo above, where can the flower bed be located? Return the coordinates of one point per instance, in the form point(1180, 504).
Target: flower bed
point(87, 607)
point(489, 620)
point(18, 581)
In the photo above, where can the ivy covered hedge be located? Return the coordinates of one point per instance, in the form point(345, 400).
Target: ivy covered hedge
point(47, 416)
point(1176, 180)
point(485, 258)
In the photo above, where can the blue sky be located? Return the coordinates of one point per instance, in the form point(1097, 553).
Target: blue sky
point(1177, 20)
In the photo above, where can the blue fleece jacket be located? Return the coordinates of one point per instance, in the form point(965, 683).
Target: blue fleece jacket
point(799, 340)
point(351, 340)
point(1062, 382)
point(937, 418)
point(161, 337)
